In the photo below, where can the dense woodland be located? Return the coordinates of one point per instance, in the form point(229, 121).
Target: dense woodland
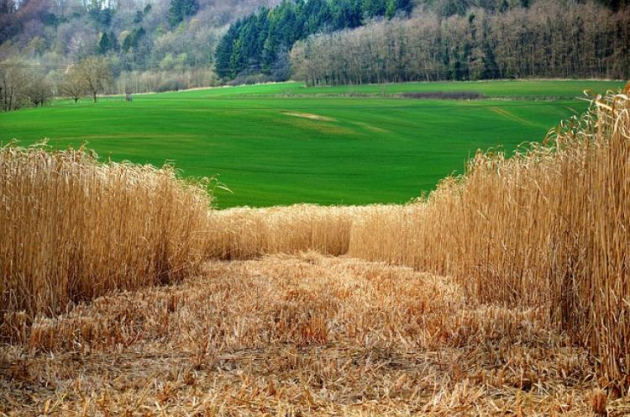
point(548, 39)
point(161, 45)
point(260, 42)
point(372, 41)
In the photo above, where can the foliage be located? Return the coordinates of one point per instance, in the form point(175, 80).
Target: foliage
point(133, 39)
point(22, 86)
point(72, 85)
point(108, 43)
point(94, 73)
point(135, 36)
point(101, 16)
point(39, 90)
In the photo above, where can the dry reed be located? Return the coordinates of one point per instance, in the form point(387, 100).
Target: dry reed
point(244, 233)
point(72, 229)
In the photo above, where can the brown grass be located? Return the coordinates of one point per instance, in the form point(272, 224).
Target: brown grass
point(73, 229)
point(295, 336)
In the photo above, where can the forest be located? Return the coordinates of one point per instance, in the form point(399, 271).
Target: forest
point(169, 45)
point(259, 43)
point(547, 40)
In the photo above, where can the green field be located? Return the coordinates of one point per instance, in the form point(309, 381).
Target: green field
point(284, 143)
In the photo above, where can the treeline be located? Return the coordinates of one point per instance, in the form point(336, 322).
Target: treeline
point(23, 85)
point(177, 44)
point(548, 39)
point(259, 43)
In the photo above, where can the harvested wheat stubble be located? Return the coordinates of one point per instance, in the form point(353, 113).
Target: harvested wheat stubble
point(297, 335)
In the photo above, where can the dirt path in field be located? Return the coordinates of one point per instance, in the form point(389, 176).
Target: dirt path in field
point(289, 336)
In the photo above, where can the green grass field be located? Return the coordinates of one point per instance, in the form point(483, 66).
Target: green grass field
point(284, 143)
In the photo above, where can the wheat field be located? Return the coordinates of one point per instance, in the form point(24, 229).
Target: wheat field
point(504, 291)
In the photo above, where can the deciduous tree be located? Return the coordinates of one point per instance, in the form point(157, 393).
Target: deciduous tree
point(73, 85)
point(38, 90)
point(13, 83)
point(95, 74)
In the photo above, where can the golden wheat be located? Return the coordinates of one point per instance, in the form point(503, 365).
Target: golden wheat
point(244, 233)
point(299, 335)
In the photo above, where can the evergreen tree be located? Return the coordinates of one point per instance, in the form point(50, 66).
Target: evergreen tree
point(346, 14)
point(138, 17)
point(374, 8)
point(181, 9)
point(615, 4)
point(113, 42)
point(225, 48)
point(132, 40)
point(398, 6)
point(104, 44)
point(504, 7)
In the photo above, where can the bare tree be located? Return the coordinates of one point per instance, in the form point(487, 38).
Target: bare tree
point(94, 74)
point(73, 85)
point(38, 91)
point(13, 82)
point(60, 6)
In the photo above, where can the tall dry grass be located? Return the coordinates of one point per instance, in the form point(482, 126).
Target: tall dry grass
point(72, 228)
point(245, 233)
point(298, 335)
point(547, 228)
